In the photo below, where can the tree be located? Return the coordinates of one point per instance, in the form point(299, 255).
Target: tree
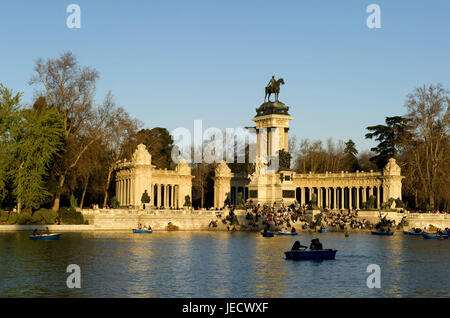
point(350, 156)
point(9, 116)
point(429, 116)
point(70, 89)
point(117, 136)
point(159, 144)
point(38, 139)
point(390, 137)
point(203, 184)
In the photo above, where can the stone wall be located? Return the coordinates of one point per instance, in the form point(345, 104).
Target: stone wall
point(122, 219)
point(419, 220)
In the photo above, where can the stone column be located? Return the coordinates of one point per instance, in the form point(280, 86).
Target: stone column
point(158, 195)
point(350, 197)
point(121, 192)
point(342, 197)
point(364, 194)
point(334, 197)
point(302, 199)
point(326, 197)
point(357, 198)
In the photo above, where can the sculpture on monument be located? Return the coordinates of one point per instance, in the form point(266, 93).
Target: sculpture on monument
point(273, 88)
point(260, 167)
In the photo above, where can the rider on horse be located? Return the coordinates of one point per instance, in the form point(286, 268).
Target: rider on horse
point(272, 82)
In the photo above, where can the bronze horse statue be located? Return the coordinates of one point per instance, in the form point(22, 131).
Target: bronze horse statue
point(273, 89)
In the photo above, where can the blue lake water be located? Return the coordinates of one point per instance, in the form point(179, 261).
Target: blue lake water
point(220, 264)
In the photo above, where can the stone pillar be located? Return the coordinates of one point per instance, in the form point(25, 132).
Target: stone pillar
point(326, 197)
point(303, 193)
point(350, 197)
point(357, 198)
point(342, 198)
point(334, 197)
point(364, 199)
point(158, 198)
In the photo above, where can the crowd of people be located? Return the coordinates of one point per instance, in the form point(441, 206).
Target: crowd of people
point(291, 218)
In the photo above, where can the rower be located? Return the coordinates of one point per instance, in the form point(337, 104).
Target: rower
point(315, 244)
point(297, 246)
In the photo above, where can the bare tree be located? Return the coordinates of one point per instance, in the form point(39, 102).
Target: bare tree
point(428, 113)
point(70, 88)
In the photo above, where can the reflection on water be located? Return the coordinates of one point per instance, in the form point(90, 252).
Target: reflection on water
point(219, 264)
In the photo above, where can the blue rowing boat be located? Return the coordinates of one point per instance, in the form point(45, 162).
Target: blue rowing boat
point(382, 233)
point(412, 233)
point(287, 233)
point(429, 236)
point(324, 231)
point(45, 237)
point(142, 231)
point(311, 255)
point(267, 234)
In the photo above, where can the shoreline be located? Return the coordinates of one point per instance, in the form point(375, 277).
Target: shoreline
point(92, 228)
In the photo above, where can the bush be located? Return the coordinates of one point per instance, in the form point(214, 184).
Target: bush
point(13, 218)
point(400, 204)
point(24, 217)
point(44, 216)
point(70, 216)
point(4, 216)
point(114, 203)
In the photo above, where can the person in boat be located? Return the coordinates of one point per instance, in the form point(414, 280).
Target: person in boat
point(140, 226)
point(36, 232)
point(267, 228)
point(315, 244)
point(150, 228)
point(293, 230)
point(46, 231)
point(297, 246)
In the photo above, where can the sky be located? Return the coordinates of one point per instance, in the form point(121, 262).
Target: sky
point(169, 63)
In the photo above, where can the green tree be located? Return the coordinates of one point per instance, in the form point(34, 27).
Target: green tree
point(350, 156)
point(390, 137)
point(159, 144)
point(38, 139)
point(9, 116)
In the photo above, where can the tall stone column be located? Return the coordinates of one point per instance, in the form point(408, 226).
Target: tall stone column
point(303, 193)
point(158, 195)
point(342, 198)
point(350, 197)
point(334, 197)
point(364, 199)
point(357, 198)
point(326, 197)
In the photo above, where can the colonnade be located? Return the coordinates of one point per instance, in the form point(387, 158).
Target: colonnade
point(123, 191)
point(166, 195)
point(340, 197)
point(234, 194)
point(161, 195)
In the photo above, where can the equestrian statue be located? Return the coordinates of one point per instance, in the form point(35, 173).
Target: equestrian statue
point(273, 88)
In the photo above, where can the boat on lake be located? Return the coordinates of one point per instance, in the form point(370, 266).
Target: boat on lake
point(287, 233)
point(55, 236)
point(142, 231)
point(324, 231)
point(382, 233)
point(411, 233)
point(267, 234)
point(429, 236)
point(301, 255)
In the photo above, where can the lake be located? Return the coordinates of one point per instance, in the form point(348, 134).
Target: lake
point(220, 264)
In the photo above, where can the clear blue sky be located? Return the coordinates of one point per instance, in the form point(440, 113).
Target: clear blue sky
point(171, 62)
